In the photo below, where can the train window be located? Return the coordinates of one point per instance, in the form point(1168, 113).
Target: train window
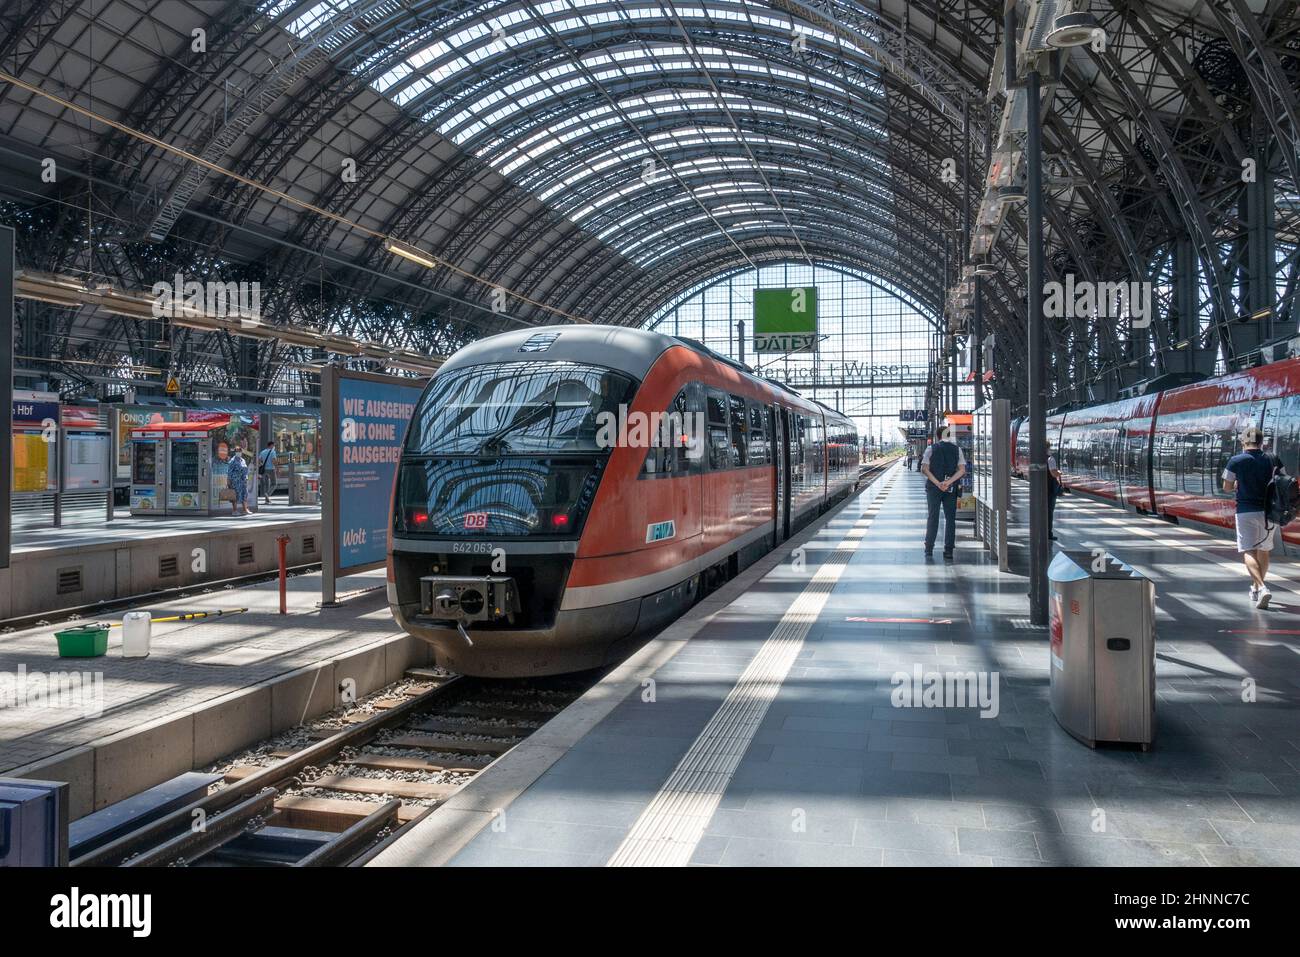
point(717, 408)
point(816, 446)
point(719, 432)
point(758, 435)
point(669, 452)
point(739, 432)
point(527, 407)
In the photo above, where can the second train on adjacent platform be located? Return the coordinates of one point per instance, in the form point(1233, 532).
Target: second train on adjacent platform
point(1164, 452)
point(528, 539)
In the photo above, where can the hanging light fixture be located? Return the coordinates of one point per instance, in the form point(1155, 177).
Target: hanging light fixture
point(1072, 30)
point(1012, 193)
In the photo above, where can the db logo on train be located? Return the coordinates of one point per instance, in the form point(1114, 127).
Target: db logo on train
point(476, 520)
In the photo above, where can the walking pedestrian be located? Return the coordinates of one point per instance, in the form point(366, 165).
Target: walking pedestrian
point(266, 471)
point(1248, 474)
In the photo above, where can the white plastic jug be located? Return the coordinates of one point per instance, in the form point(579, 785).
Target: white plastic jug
point(137, 628)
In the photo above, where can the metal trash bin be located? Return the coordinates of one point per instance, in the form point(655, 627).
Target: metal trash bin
point(306, 489)
point(1103, 649)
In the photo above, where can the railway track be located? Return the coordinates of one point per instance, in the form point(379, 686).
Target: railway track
point(871, 470)
point(334, 792)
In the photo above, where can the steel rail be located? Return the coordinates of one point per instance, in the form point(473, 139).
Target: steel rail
point(347, 844)
point(194, 843)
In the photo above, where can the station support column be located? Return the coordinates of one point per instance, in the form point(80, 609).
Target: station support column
point(1039, 546)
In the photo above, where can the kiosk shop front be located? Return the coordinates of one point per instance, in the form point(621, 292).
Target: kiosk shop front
point(180, 468)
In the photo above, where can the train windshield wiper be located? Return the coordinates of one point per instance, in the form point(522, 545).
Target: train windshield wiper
point(495, 440)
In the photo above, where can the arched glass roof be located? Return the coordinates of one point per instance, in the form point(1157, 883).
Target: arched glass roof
point(656, 124)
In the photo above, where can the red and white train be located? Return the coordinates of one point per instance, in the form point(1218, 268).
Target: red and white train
point(529, 537)
point(1164, 452)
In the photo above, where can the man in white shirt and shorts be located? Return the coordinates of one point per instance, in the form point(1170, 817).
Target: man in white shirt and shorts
point(1248, 474)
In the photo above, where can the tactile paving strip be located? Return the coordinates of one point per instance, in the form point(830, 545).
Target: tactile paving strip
point(668, 830)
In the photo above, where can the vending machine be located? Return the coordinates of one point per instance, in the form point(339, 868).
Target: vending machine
point(961, 425)
point(182, 468)
point(187, 472)
point(172, 469)
point(148, 476)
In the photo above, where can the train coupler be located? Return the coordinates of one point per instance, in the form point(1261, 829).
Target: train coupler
point(467, 598)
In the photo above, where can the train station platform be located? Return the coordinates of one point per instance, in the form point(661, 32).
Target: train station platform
point(53, 569)
point(766, 727)
point(207, 688)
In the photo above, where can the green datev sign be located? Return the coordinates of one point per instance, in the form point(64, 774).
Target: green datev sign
point(785, 320)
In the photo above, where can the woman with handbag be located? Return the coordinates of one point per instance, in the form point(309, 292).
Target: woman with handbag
point(237, 479)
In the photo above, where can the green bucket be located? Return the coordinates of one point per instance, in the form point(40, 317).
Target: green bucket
point(84, 641)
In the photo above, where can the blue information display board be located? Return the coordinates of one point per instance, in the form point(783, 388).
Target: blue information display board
point(372, 415)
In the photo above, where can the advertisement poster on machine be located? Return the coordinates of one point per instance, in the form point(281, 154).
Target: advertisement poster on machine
point(372, 424)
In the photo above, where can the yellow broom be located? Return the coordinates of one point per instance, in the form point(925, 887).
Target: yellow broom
point(191, 616)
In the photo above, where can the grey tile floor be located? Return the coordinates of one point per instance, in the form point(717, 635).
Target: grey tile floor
point(836, 775)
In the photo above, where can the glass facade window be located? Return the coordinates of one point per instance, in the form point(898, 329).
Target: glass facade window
point(874, 352)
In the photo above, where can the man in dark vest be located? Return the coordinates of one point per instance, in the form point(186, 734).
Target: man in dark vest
point(943, 466)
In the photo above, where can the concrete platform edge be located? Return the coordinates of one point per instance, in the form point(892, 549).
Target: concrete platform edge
point(115, 766)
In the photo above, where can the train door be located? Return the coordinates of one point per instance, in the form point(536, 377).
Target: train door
point(781, 466)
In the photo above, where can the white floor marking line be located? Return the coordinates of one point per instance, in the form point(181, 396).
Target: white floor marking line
point(1276, 571)
point(669, 829)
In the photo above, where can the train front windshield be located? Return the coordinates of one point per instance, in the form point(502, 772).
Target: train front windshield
point(507, 449)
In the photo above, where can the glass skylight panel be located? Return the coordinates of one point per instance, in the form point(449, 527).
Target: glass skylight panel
point(274, 8)
point(623, 225)
point(314, 17)
point(392, 77)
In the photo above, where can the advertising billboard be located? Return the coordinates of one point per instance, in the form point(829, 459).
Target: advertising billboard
point(35, 418)
point(785, 320)
point(133, 417)
point(365, 423)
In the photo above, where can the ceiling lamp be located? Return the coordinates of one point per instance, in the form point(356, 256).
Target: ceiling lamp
point(410, 252)
point(1012, 194)
point(1072, 30)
